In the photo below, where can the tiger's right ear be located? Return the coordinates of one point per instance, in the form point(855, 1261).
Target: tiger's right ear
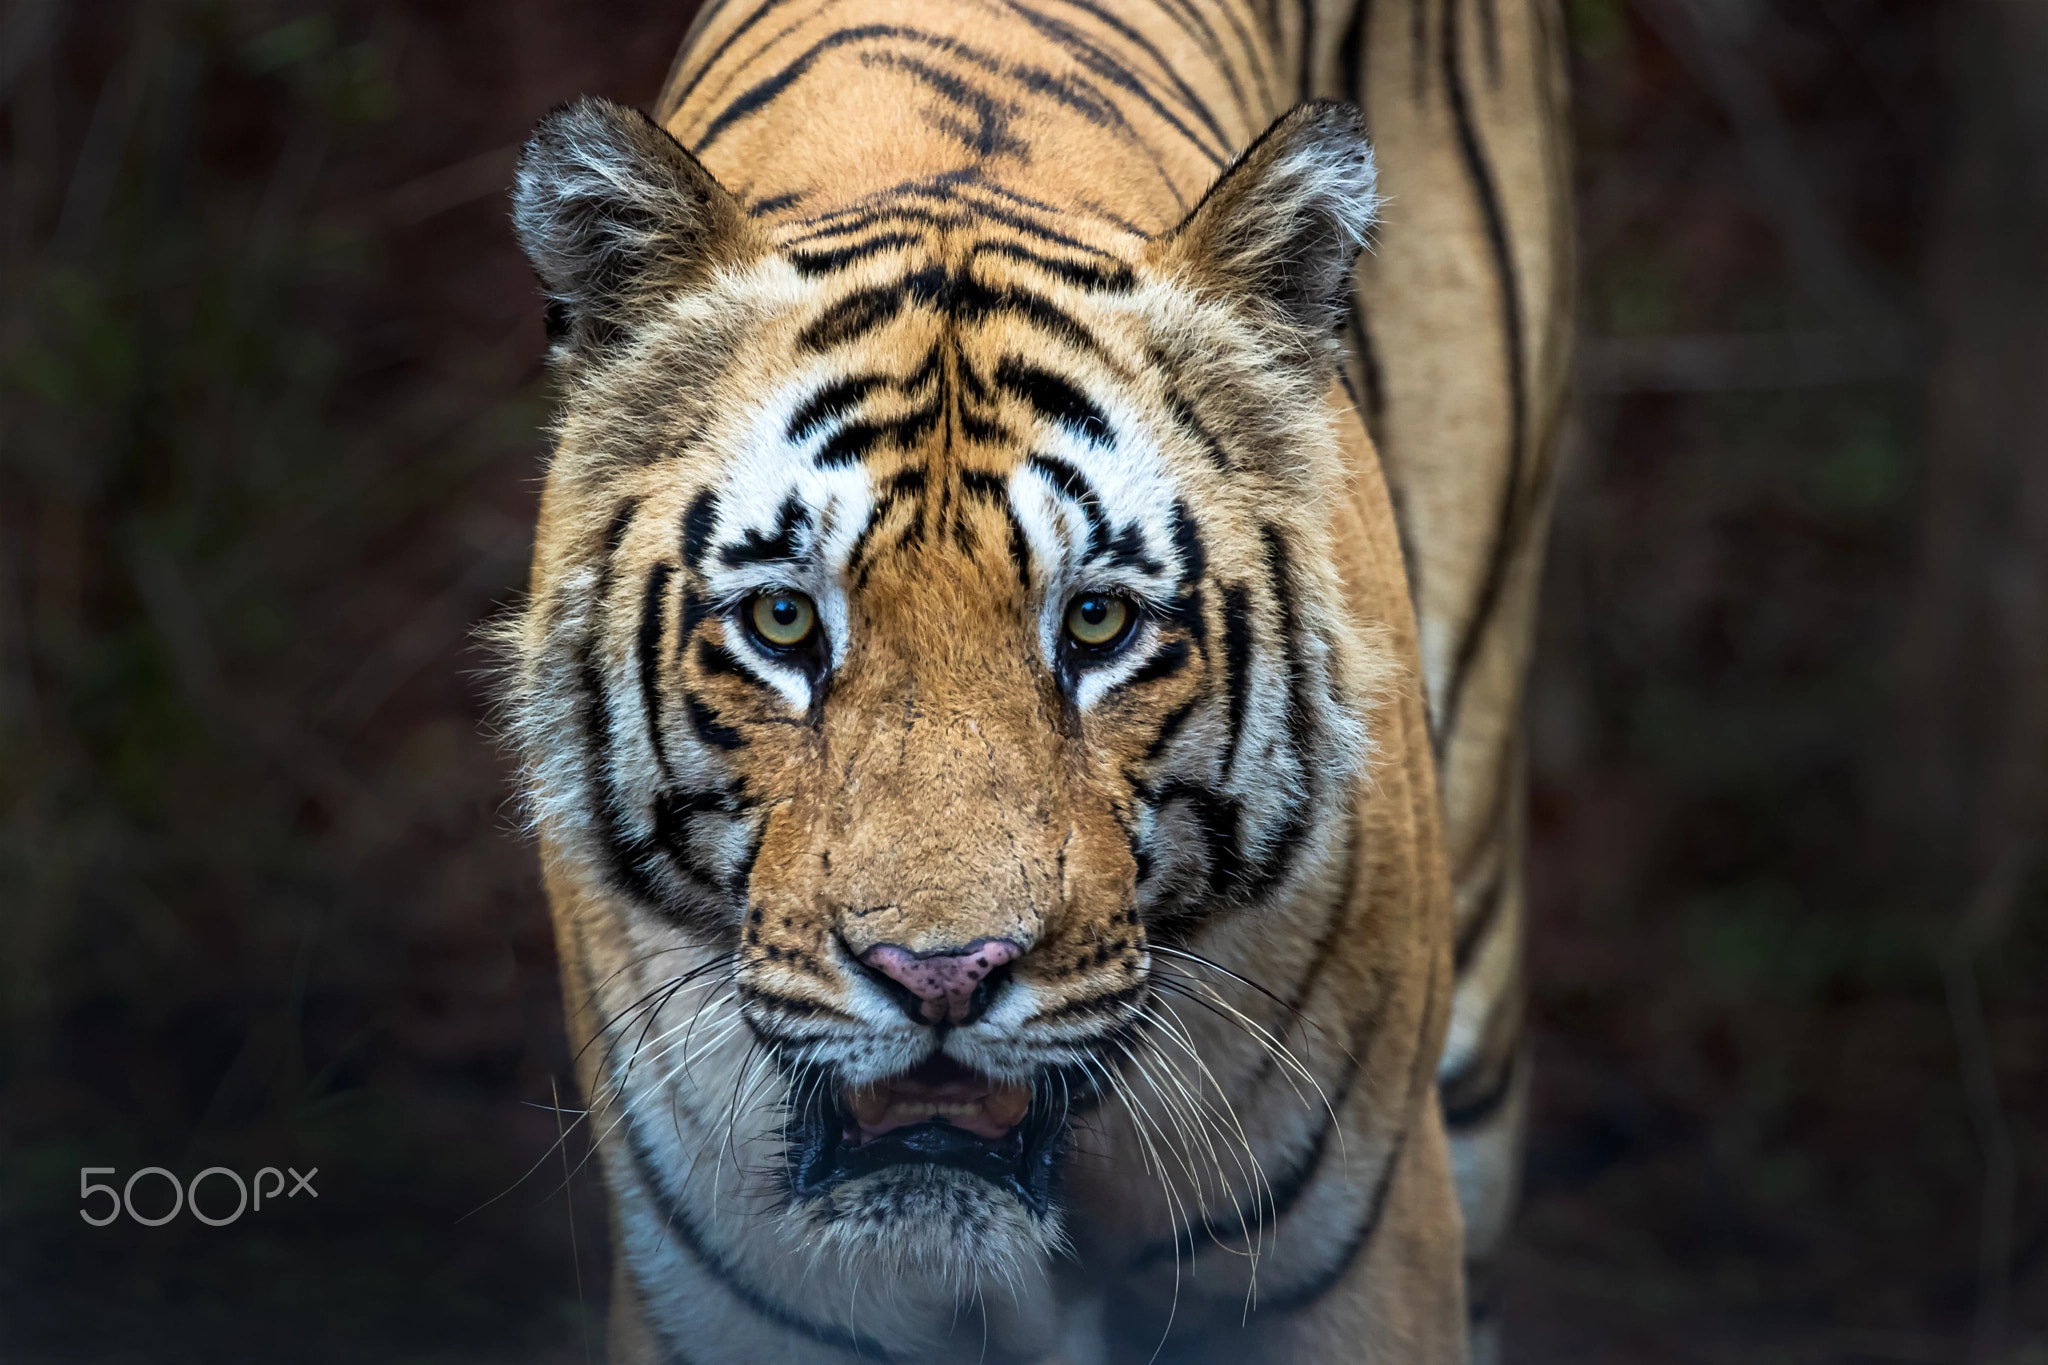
point(614, 214)
point(1279, 230)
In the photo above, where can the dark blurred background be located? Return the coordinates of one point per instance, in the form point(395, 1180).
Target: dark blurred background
point(270, 441)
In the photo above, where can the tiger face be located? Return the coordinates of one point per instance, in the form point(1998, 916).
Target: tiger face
point(926, 633)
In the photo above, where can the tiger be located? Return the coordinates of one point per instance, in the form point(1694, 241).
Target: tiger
point(1024, 786)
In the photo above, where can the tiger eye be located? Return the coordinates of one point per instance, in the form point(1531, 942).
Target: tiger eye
point(1096, 619)
point(783, 619)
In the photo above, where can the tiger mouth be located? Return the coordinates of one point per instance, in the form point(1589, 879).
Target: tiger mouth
point(937, 1114)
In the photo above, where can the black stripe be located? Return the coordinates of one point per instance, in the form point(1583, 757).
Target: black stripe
point(1196, 25)
point(675, 818)
point(615, 536)
point(1351, 53)
point(1141, 858)
point(811, 264)
point(1099, 63)
point(1117, 279)
point(1074, 484)
point(794, 1004)
point(632, 862)
point(982, 430)
point(1256, 882)
point(1305, 77)
point(1183, 412)
point(1085, 101)
point(835, 400)
point(739, 884)
point(625, 857)
point(1370, 374)
point(990, 136)
point(1286, 1192)
point(1170, 727)
point(1505, 537)
point(1334, 1274)
point(779, 546)
point(1127, 550)
point(1188, 609)
point(1245, 45)
point(653, 606)
point(975, 302)
point(696, 608)
point(853, 442)
point(879, 209)
point(716, 661)
point(775, 203)
point(1237, 667)
point(759, 95)
point(1218, 819)
point(1046, 206)
point(693, 1241)
point(905, 483)
point(1192, 101)
point(958, 296)
point(1300, 717)
point(1324, 953)
point(698, 523)
point(1276, 1201)
point(852, 317)
point(1163, 664)
point(709, 728)
point(1105, 1003)
point(760, 12)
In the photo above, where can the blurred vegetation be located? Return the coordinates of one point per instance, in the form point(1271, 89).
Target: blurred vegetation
point(267, 455)
point(269, 414)
point(1760, 1014)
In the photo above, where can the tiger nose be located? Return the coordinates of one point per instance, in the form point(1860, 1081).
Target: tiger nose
point(942, 983)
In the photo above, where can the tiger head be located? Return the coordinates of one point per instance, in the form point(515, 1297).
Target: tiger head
point(933, 619)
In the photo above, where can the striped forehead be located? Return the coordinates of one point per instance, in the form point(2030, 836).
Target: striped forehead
point(1098, 502)
point(783, 499)
point(1084, 482)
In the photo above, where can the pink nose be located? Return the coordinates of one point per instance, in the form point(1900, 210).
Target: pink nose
point(945, 982)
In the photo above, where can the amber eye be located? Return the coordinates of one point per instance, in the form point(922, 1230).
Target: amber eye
point(1097, 620)
point(783, 620)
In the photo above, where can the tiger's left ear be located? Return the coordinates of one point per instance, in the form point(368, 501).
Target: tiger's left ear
point(1281, 228)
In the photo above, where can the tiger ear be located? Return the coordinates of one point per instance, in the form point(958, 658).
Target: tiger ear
point(1280, 229)
point(614, 213)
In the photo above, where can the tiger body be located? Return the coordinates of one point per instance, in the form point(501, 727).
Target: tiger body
point(943, 329)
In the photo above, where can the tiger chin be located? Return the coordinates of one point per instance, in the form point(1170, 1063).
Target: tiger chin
point(968, 705)
point(938, 1176)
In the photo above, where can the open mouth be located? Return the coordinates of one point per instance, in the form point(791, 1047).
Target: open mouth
point(939, 1114)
